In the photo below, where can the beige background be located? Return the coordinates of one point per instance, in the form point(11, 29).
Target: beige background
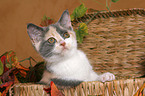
point(15, 14)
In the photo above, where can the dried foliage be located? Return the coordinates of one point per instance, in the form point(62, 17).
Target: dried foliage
point(9, 67)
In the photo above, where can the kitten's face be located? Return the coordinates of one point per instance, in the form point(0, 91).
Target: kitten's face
point(56, 40)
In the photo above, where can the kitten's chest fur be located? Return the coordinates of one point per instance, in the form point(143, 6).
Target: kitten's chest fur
point(74, 67)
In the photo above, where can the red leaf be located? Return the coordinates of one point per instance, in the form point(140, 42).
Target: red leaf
point(3, 60)
point(46, 21)
point(47, 90)
point(7, 85)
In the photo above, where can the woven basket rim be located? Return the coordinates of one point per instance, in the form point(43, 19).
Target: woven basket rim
point(85, 88)
point(35, 84)
point(108, 14)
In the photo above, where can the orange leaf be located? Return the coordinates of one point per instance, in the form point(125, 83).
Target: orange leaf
point(23, 73)
point(15, 79)
point(54, 90)
point(7, 85)
point(11, 56)
point(139, 92)
point(18, 66)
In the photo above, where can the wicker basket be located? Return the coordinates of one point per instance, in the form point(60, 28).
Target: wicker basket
point(116, 44)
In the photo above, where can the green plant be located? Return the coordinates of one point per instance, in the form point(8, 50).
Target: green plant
point(9, 68)
point(79, 12)
point(107, 3)
point(82, 29)
point(46, 21)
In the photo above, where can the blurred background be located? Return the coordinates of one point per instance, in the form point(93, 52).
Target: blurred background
point(15, 14)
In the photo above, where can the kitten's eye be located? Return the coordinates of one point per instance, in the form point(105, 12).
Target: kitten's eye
point(51, 40)
point(66, 35)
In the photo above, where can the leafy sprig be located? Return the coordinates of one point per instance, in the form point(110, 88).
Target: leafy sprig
point(9, 68)
point(79, 12)
point(46, 21)
point(82, 29)
point(81, 32)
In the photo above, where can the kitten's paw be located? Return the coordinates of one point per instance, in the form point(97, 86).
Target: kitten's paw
point(107, 77)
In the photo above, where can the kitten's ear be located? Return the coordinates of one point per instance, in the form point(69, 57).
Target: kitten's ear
point(65, 20)
point(35, 32)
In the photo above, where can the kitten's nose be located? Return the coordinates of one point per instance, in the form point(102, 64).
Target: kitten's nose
point(62, 43)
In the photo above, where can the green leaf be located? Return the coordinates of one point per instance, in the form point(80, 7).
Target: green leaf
point(114, 1)
point(1, 68)
point(0, 83)
point(81, 32)
point(8, 65)
point(45, 18)
point(108, 8)
point(78, 12)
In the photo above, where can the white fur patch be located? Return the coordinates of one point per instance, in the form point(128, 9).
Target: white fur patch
point(51, 33)
point(76, 67)
point(106, 77)
point(37, 45)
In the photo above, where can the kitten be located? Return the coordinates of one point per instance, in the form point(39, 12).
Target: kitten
point(66, 65)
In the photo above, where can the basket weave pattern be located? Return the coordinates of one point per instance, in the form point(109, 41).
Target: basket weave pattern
point(117, 44)
point(126, 87)
point(27, 89)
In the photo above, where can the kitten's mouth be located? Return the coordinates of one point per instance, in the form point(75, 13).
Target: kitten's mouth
point(64, 49)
